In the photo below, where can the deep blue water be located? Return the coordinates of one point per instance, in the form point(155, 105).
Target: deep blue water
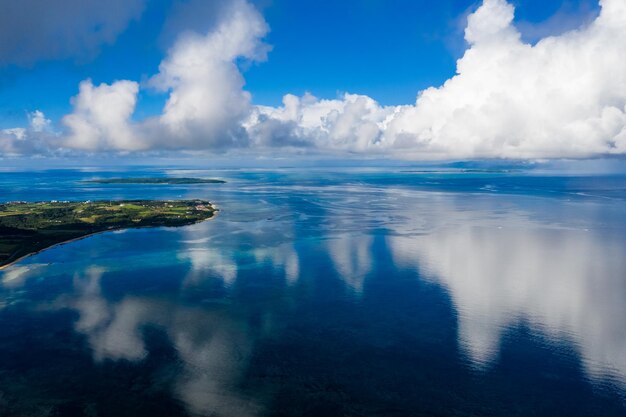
point(361, 292)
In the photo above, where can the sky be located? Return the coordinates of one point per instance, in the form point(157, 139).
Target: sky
point(399, 79)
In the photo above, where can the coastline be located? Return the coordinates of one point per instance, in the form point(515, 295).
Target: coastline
point(65, 242)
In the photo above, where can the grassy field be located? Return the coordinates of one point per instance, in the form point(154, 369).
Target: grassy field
point(157, 180)
point(26, 228)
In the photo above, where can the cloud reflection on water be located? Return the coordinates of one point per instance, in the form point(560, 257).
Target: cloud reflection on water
point(567, 284)
point(353, 258)
point(212, 345)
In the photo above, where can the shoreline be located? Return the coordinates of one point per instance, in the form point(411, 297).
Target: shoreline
point(65, 242)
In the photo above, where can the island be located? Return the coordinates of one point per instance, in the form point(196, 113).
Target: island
point(156, 180)
point(27, 228)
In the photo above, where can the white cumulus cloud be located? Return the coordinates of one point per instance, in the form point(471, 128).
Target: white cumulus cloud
point(206, 101)
point(38, 121)
point(101, 117)
point(351, 123)
point(562, 97)
point(36, 138)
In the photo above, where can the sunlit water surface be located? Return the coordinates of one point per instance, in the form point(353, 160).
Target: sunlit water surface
point(319, 293)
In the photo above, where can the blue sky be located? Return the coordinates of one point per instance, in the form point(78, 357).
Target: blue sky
point(388, 50)
point(365, 62)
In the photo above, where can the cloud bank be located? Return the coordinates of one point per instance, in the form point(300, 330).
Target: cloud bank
point(564, 96)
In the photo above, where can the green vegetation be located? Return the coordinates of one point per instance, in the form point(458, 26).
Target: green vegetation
point(27, 228)
point(156, 180)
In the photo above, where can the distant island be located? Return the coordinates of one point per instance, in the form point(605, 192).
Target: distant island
point(155, 180)
point(459, 171)
point(27, 228)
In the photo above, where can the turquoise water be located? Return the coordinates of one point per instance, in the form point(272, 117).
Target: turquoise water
point(358, 292)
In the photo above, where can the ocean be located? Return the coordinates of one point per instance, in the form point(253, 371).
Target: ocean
point(326, 292)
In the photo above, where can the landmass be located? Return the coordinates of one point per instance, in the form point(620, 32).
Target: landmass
point(459, 171)
point(27, 228)
point(156, 180)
